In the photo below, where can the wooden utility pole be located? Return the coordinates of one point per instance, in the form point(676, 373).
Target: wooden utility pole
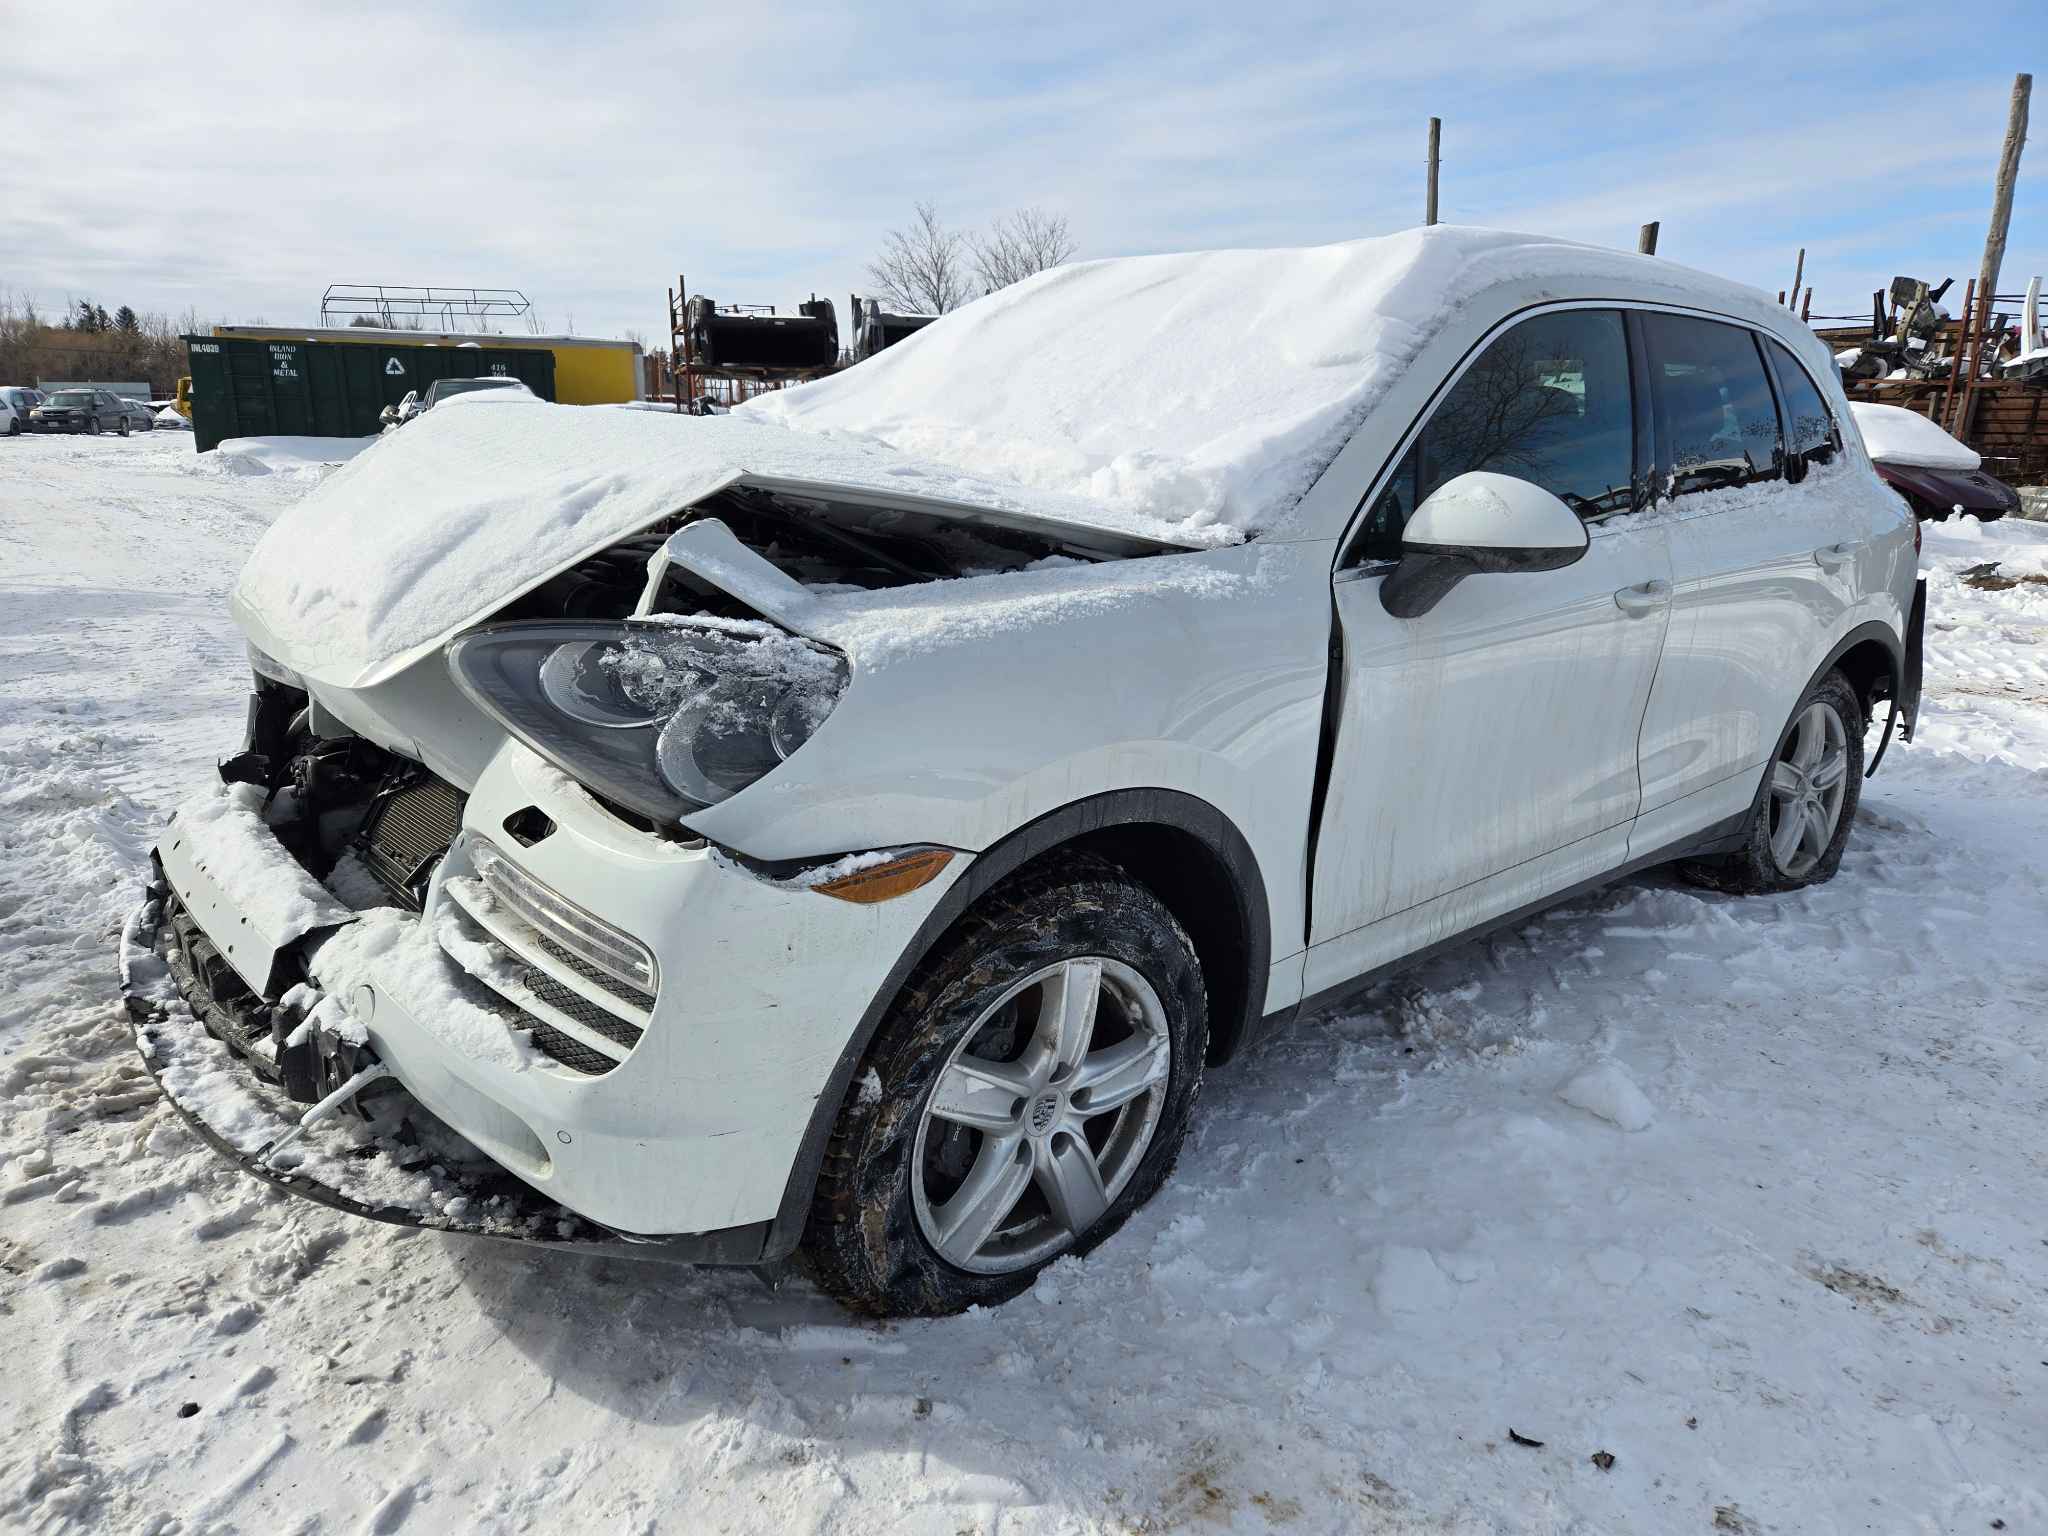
point(1436, 130)
point(1646, 238)
point(1798, 272)
point(2001, 196)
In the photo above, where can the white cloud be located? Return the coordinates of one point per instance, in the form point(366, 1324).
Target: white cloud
point(280, 148)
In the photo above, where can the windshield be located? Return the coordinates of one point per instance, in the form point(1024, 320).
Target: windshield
point(72, 397)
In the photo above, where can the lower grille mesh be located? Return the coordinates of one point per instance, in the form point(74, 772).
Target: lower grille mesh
point(573, 1054)
point(583, 1010)
point(625, 993)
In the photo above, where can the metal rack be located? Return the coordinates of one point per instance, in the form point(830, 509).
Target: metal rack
point(393, 305)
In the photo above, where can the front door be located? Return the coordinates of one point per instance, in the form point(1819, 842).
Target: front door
point(1486, 751)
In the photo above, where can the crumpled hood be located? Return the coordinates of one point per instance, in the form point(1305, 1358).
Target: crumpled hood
point(445, 521)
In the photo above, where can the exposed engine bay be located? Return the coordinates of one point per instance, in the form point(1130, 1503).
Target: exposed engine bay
point(829, 546)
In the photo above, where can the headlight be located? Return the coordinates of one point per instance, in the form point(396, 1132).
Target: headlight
point(663, 717)
point(275, 670)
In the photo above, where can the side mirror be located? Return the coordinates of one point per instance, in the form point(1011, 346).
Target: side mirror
point(1479, 522)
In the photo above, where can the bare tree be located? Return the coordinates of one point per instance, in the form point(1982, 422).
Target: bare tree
point(1020, 244)
point(923, 270)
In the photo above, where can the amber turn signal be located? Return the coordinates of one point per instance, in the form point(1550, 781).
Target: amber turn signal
point(885, 882)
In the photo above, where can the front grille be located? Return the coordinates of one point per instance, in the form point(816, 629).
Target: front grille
point(407, 834)
point(537, 1000)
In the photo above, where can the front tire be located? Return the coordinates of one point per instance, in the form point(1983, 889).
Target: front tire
point(1799, 821)
point(92, 426)
point(1029, 1089)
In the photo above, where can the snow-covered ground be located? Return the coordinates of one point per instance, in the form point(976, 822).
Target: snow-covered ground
point(1746, 1195)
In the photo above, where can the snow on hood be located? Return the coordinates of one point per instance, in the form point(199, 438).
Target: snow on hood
point(1204, 390)
point(447, 520)
point(1895, 435)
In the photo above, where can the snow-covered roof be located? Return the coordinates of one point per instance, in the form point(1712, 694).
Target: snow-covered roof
point(1204, 390)
point(1895, 435)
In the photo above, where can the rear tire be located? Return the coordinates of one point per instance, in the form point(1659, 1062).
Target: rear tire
point(123, 428)
point(1029, 1089)
point(1799, 822)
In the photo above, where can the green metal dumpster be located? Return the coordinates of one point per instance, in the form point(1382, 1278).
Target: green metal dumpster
point(245, 388)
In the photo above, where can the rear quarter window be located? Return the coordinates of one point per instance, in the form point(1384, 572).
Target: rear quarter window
point(1811, 436)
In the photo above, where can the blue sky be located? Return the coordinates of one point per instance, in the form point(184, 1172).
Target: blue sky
point(764, 149)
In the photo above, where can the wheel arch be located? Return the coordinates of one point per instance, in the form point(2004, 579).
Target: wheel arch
point(1188, 853)
point(1872, 657)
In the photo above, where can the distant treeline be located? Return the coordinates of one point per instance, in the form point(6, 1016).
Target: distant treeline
point(88, 341)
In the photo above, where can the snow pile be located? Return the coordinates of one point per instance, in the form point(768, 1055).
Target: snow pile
point(396, 954)
point(1895, 435)
point(305, 457)
point(169, 419)
point(1202, 390)
point(1607, 1091)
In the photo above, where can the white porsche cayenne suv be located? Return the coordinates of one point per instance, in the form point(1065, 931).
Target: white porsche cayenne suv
point(850, 828)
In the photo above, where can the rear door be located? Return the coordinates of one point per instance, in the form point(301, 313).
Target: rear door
point(1760, 555)
point(1494, 738)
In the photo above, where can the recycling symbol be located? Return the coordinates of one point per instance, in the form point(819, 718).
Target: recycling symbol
point(394, 368)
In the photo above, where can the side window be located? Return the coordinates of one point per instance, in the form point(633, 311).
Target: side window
point(1810, 435)
point(1717, 424)
point(1547, 402)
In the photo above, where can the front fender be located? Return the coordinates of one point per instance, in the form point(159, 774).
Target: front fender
point(977, 707)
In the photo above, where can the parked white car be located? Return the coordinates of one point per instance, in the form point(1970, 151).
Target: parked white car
point(851, 827)
point(10, 424)
point(19, 400)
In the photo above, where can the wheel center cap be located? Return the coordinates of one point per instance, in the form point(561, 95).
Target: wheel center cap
point(1045, 1109)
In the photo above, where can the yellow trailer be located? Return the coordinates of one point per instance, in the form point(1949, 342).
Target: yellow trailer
point(588, 370)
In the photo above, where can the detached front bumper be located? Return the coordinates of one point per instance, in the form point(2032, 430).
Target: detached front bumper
point(682, 1132)
point(385, 1161)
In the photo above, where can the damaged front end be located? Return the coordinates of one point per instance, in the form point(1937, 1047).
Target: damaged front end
point(417, 810)
point(267, 1067)
point(364, 1146)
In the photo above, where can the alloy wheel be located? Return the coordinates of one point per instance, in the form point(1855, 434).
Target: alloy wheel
point(1808, 785)
point(1041, 1115)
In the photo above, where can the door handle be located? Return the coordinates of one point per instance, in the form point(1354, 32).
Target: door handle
point(1833, 555)
point(1647, 598)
